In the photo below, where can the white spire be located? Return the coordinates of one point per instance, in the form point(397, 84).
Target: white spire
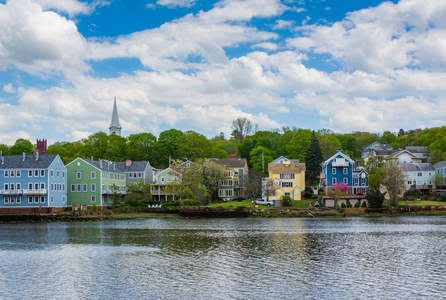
point(115, 128)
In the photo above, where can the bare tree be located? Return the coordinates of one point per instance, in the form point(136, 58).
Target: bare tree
point(393, 178)
point(242, 127)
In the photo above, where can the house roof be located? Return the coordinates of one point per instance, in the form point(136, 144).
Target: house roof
point(385, 152)
point(417, 149)
point(440, 164)
point(230, 162)
point(282, 158)
point(286, 168)
point(30, 162)
point(335, 155)
point(413, 167)
point(106, 165)
point(136, 166)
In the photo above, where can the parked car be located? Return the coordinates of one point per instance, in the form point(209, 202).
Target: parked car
point(262, 202)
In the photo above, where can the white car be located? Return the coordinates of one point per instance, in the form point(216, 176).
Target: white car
point(263, 202)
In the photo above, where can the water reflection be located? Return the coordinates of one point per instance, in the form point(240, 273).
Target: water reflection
point(352, 258)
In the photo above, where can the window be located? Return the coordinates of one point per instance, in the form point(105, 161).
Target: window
point(363, 181)
point(78, 175)
point(420, 174)
point(12, 200)
point(78, 163)
point(36, 173)
point(93, 175)
point(52, 199)
point(73, 187)
point(235, 172)
point(30, 173)
point(18, 173)
point(63, 187)
point(63, 199)
point(111, 176)
point(333, 181)
point(6, 173)
point(93, 198)
point(57, 173)
point(84, 187)
point(409, 182)
point(42, 199)
point(346, 181)
point(36, 199)
point(287, 184)
point(30, 199)
point(130, 175)
point(52, 187)
point(356, 181)
point(287, 176)
point(333, 171)
point(42, 186)
point(52, 173)
point(162, 179)
point(42, 173)
point(78, 187)
point(18, 186)
point(139, 175)
point(287, 194)
point(12, 173)
point(345, 170)
point(63, 174)
point(18, 200)
point(6, 186)
point(104, 187)
point(104, 199)
point(6, 200)
point(36, 186)
point(30, 186)
point(93, 187)
point(236, 182)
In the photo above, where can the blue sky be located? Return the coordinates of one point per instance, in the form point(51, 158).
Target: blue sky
point(346, 65)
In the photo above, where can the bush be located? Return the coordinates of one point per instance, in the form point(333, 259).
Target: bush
point(349, 205)
point(308, 193)
point(357, 205)
point(171, 205)
point(94, 208)
point(286, 200)
point(364, 204)
point(343, 205)
point(240, 199)
point(412, 193)
point(137, 205)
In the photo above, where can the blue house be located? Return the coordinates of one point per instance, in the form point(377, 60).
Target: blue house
point(32, 183)
point(341, 168)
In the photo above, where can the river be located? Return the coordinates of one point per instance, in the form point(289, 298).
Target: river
point(289, 258)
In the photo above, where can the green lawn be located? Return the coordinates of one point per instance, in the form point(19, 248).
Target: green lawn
point(422, 203)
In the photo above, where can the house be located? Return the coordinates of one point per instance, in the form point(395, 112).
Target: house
point(184, 165)
point(418, 176)
point(440, 168)
point(367, 150)
point(236, 173)
point(341, 168)
point(162, 179)
point(94, 182)
point(136, 170)
point(32, 183)
point(286, 177)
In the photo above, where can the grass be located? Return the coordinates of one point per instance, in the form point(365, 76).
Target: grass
point(421, 203)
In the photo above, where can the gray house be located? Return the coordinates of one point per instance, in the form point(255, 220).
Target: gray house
point(136, 170)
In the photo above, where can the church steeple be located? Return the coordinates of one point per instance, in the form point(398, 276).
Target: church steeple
point(115, 128)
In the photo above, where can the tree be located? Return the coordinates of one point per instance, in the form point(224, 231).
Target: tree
point(401, 132)
point(116, 195)
point(393, 178)
point(337, 191)
point(253, 184)
point(258, 163)
point(286, 200)
point(241, 128)
point(20, 146)
point(437, 179)
point(388, 138)
point(194, 145)
point(374, 197)
point(140, 146)
point(138, 195)
point(298, 146)
point(168, 145)
point(329, 143)
point(4, 149)
point(313, 160)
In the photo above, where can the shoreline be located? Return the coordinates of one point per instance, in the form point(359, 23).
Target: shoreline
point(219, 212)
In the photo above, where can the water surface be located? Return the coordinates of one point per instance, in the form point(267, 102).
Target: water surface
point(348, 258)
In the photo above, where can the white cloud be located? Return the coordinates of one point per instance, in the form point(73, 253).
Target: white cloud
point(9, 88)
point(388, 36)
point(176, 3)
point(78, 135)
point(283, 24)
point(71, 7)
point(37, 41)
point(266, 46)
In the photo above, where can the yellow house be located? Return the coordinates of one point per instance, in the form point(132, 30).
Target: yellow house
point(286, 177)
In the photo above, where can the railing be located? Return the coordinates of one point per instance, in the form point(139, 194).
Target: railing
point(340, 163)
point(110, 192)
point(11, 192)
point(34, 192)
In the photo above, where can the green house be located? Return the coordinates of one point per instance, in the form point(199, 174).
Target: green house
point(94, 182)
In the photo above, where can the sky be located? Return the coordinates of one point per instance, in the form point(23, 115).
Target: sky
point(350, 65)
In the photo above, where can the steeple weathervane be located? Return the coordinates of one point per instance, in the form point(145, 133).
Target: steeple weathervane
point(115, 128)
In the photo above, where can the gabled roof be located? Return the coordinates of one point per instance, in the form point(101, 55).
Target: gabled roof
point(230, 162)
point(282, 158)
point(417, 149)
point(335, 155)
point(135, 166)
point(440, 164)
point(404, 151)
point(413, 167)
point(385, 152)
point(106, 166)
point(286, 168)
point(30, 162)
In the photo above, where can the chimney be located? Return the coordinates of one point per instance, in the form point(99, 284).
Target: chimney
point(37, 155)
point(91, 158)
point(2, 157)
point(114, 166)
point(128, 163)
point(24, 155)
point(100, 163)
